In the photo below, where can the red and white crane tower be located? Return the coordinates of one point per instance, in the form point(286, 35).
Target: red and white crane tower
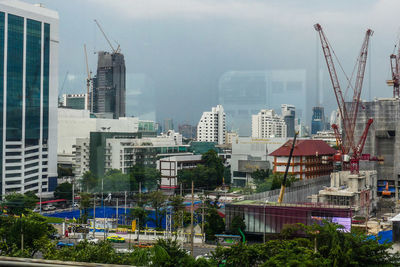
point(350, 150)
point(395, 68)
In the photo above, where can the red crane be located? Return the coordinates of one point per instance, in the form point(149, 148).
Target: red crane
point(395, 81)
point(349, 112)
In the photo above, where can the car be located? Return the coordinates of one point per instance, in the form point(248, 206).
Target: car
point(75, 205)
point(62, 244)
point(36, 210)
point(116, 239)
point(55, 236)
point(205, 256)
point(90, 239)
point(49, 207)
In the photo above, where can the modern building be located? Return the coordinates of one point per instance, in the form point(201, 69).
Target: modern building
point(326, 136)
point(188, 131)
point(245, 93)
point(29, 41)
point(310, 159)
point(230, 137)
point(109, 91)
point(250, 154)
point(168, 125)
point(318, 120)
point(289, 116)
point(267, 124)
point(75, 101)
point(170, 166)
point(211, 127)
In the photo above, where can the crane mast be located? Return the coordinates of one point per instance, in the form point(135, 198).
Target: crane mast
point(349, 117)
point(88, 81)
point(394, 66)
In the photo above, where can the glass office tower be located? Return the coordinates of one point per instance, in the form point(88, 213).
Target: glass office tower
point(28, 98)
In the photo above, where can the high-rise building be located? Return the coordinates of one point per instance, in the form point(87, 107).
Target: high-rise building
point(318, 120)
point(187, 131)
point(109, 89)
point(168, 125)
point(267, 124)
point(75, 101)
point(289, 115)
point(211, 127)
point(28, 87)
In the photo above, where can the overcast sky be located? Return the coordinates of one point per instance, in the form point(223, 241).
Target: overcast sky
point(184, 46)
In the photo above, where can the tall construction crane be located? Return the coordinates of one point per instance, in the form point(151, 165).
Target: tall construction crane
point(108, 40)
point(394, 66)
point(283, 185)
point(88, 82)
point(349, 112)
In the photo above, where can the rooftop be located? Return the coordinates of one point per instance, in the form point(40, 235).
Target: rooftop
point(305, 147)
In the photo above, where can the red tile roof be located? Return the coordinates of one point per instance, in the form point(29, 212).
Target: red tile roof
point(305, 147)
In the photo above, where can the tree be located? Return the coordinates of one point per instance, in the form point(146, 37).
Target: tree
point(259, 176)
point(214, 224)
point(236, 224)
point(271, 182)
point(64, 172)
point(33, 227)
point(84, 206)
point(63, 191)
point(18, 204)
point(168, 253)
point(148, 177)
point(115, 181)
point(212, 161)
point(179, 214)
point(158, 201)
point(89, 182)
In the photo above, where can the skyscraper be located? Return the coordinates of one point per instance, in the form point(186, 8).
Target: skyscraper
point(168, 125)
point(211, 127)
point(267, 124)
point(109, 89)
point(28, 88)
point(288, 115)
point(318, 120)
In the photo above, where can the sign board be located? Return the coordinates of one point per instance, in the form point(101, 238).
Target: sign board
point(133, 225)
point(252, 165)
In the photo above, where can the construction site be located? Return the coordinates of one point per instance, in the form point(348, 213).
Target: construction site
point(363, 189)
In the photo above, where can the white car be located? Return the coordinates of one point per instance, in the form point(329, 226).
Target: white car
point(49, 207)
point(90, 239)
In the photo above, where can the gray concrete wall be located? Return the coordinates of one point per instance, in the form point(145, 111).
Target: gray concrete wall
point(298, 192)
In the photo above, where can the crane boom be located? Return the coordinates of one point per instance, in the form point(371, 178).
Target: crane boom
point(105, 36)
point(88, 79)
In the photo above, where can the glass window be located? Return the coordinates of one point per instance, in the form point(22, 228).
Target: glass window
point(46, 68)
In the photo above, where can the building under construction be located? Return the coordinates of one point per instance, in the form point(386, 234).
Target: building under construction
point(383, 141)
point(109, 88)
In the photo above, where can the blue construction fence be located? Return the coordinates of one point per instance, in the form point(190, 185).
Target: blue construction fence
point(383, 237)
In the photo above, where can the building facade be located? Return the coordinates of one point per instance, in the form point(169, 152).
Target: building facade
point(109, 90)
point(311, 159)
point(28, 86)
point(75, 101)
point(318, 120)
point(289, 116)
point(211, 127)
point(267, 124)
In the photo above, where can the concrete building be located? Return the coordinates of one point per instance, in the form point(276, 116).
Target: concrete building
point(245, 93)
point(289, 116)
point(318, 120)
point(29, 41)
point(310, 158)
point(267, 124)
point(383, 139)
point(230, 137)
point(188, 131)
point(168, 125)
point(170, 166)
point(109, 91)
point(326, 136)
point(75, 101)
point(250, 154)
point(211, 127)
point(358, 191)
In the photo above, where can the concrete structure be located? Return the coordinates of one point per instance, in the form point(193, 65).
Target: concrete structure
point(244, 93)
point(250, 154)
point(353, 190)
point(289, 116)
point(75, 124)
point(230, 137)
point(383, 138)
point(29, 41)
point(318, 120)
point(188, 131)
point(109, 90)
point(267, 124)
point(311, 158)
point(326, 136)
point(170, 166)
point(211, 127)
point(75, 101)
point(168, 125)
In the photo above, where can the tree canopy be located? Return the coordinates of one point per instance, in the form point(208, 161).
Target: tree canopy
point(63, 191)
point(18, 204)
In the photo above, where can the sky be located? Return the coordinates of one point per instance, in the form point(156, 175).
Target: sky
point(184, 46)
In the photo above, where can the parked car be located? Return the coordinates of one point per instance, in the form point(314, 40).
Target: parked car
point(49, 207)
point(89, 239)
point(116, 239)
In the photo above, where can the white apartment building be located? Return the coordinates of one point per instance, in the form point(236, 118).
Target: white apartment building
point(29, 40)
point(211, 127)
point(267, 124)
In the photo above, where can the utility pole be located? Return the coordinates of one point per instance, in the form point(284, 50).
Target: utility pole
point(117, 212)
point(191, 222)
point(73, 195)
point(125, 209)
point(181, 189)
point(22, 235)
point(94, 216)
point(202, 217)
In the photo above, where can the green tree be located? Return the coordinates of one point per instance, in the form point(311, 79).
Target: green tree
point(64, 172)
point(158, 201)
point(85, 203)
point(18, 204)
point(168, 253)
point(63, 191)
point(212, 161)
point(148, 177)
point(227, 175)
point(214, 224)
point(259, 176)
point(179, 214)
point(236, 224)
point(35, 231)
point(115, 181)
point(89, 182)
